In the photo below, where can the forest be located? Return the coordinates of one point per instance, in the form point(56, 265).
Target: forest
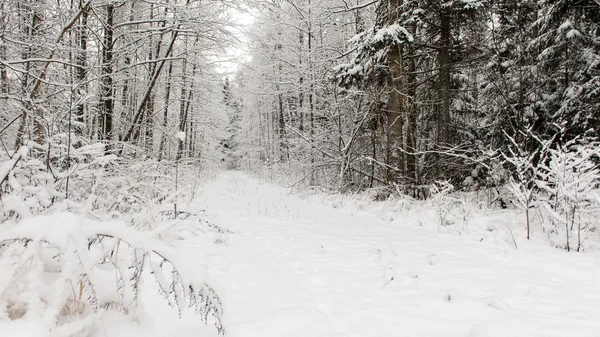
point(123, 122)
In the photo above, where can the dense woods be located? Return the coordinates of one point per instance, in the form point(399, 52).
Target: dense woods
point(361, 94)
point(409, 92)
point(129, 74)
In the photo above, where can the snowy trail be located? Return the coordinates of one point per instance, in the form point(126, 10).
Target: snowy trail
point(298, 268)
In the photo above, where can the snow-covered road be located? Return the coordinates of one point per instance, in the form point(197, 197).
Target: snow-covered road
point(299, 268)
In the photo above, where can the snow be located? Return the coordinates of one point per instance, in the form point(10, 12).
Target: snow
point(9, 164)
point(63, 228)
point(319, 265)
point(565, 25)
point(395, 31)
point(573, 33)
point(355, 70)
point(472, 4)
point(297, 267)
point(180, 135)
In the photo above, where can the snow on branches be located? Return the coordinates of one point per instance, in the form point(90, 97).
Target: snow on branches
point(64, 269)
point(371, 48)
point(559, 179)
point(525, 165)
point(569, 181)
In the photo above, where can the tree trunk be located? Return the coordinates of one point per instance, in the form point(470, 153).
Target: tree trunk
point(25, 53)
point(395, 108)
point(281, 125)
point(39, 132)
point(184, 114)
point(30, 26)
point(412, 169)
point(163, 139)
point(80, 69)
point(107, 103)
point(301, 83)
point(3, 72)
point(444, 81)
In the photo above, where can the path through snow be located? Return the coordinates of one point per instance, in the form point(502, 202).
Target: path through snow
point(298, 268)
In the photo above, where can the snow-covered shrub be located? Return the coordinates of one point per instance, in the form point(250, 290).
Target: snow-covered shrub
point(64, 270)
point(27, 188)
point(53, 180)
point(131, 187)
point(525, 167)
point(440, 196)
point(570, 181)
point(108, 185)
point(185, 224)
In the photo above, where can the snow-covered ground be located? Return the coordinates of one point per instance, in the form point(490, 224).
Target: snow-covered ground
point(301, 267)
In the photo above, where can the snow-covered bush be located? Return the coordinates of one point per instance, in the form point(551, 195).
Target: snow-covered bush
point(65, 270)
point(440, 195)
point(570, 182)
point(525, 160)
point(27, 186)
point(558, 182)
point(56, 181)
point(108, 185)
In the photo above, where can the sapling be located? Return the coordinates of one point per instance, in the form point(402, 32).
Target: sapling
point(439, 193)
point(181, 137)
point(525, 170)
point(570, 178)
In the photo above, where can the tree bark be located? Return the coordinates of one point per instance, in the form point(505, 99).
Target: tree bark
point(163, 138)
point(184, 115)
point(107, 103)
point(444, 80)
point(81, 68)
point(3, 72)
point(412, 169)
point(281, 125)
point(395, 108)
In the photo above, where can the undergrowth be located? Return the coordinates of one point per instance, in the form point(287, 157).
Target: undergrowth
point(62, 259)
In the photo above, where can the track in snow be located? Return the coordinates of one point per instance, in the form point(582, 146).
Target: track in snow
point(297, 268)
